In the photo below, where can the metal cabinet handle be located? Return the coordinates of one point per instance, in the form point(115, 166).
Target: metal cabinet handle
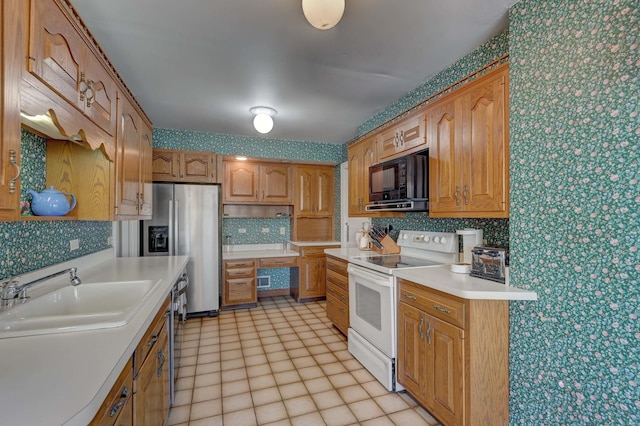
point(408, 296)
point(90, 93)
point(457, 197)
point(162, 359)
point(116, 408)
point(465, 194)
point(14, 162)
point(429, 333)
point(342, 310)
point(401, 137)
point(441, 309)
point(153, 340)
point(125, 392)
point(83, 86)
point(420, 327)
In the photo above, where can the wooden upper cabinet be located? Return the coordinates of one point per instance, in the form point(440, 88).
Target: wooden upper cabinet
point(256, 183)
point(469, 149)
point(184, 166)
point(133, 165)
point(11, 62)
point(275, 184)
point(314, 191)
point(65, 76)
point(404, 137)
point(361, 156)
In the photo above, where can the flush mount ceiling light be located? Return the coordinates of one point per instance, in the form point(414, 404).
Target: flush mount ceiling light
point(323, 14)
point(263, 121)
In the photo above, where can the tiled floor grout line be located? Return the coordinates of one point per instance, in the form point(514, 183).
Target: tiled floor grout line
point(231, 334)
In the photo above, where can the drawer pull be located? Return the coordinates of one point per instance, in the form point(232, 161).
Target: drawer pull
point(116, 408)
point(441, 309)
point(409, 296)
point(331, 302)
point(342, 296)
point(342, 310)
point(331, 290)
point(125, 392)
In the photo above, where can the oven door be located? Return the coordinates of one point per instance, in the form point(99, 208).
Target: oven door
point(372, 308)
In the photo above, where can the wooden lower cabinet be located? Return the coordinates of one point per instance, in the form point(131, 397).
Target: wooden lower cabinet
point(140, 395)
point(309, 281)
point(453, 355)
point(338, 293)
point(239, 287)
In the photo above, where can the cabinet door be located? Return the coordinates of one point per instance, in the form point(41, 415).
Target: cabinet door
point(324, 191)
point(197, 167)
point(146, 173)
point(313, 277)
point(240, 182)
point(411, 350)
point(445, 371)
point(486, 147)
point(275, 184)
point(56, 51)
point(128, 161)
point(445, 194)
point(162, 371)
point(165, 165)
point(100, 102)
point(9, 114)
point(148, 404)
point(355, 180)
point(305, 191)
point(239, 291)
point(405, 136)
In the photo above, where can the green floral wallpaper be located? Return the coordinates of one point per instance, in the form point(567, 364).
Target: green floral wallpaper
point(574, 224)
point(30, 245)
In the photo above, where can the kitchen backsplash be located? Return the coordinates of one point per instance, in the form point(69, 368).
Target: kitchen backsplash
point(252, 231)
point(29, 245)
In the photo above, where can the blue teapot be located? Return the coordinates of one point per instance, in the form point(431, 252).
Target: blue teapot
point(51, 202)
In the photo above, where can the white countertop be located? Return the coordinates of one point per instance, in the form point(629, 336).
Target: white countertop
point(255, 251)
point(441, 278)
point(315, 243)
point(63, 378)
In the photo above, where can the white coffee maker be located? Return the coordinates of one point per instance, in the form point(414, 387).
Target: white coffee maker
point(470, 238)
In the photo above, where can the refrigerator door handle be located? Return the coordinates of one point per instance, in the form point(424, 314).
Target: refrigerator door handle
point(176, 226)
point(171, 229)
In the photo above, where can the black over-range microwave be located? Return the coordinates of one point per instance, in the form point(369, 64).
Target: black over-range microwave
point(401, 184)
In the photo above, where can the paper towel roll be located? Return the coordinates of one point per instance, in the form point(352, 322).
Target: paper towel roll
point(470, 238)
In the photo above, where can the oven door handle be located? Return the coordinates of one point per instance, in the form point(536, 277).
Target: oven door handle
point(378, 279)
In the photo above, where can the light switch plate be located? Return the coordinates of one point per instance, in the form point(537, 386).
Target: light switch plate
point(282, 230)
point(242, 230)
point(265, 230)
point(74, 245)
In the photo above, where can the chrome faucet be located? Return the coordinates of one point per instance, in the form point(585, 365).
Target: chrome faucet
point(12, 289)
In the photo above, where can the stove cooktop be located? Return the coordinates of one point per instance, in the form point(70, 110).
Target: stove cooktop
point(397, 261)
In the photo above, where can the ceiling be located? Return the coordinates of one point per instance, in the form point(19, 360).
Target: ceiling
point(201, 64)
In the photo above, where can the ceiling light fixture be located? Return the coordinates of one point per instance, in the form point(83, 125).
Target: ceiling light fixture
point(263, 121)
point(323, 14)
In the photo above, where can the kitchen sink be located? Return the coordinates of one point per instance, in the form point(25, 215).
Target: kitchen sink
point(88, 306)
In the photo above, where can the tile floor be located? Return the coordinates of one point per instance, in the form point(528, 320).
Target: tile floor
point(281, 363)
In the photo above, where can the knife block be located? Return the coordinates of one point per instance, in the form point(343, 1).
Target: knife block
point(388, 246)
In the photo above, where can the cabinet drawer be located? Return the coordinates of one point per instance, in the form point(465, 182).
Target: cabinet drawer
point(119, 395)
point(449, 309)
point(338, 293)
point(278, 262)
point(148, 341)
point(338, 280)
point(239, 272)
point(338, 313)
point(242, 263)
point(312, 251)
point(337, 265)
point(239, 291)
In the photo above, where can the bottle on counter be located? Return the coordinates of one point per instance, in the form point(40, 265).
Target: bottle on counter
point(363, 237)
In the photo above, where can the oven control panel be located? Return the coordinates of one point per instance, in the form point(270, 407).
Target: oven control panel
point(443, 242)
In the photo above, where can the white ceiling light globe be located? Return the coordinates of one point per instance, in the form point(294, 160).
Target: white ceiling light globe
point(323, 14)
point(263, 123)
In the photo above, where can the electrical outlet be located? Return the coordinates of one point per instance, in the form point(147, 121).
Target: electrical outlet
point(110, 241)
point(265, 230)
point(242, 230)
point(74, 245)
point(282, 230)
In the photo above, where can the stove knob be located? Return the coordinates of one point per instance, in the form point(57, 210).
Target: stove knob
point(436, 240)
point(427, 239)
point(405, 236)
point(443, 240)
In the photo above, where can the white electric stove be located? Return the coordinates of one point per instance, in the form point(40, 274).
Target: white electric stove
point(373, 297)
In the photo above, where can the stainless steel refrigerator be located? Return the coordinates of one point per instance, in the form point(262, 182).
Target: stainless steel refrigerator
point(187, 221)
